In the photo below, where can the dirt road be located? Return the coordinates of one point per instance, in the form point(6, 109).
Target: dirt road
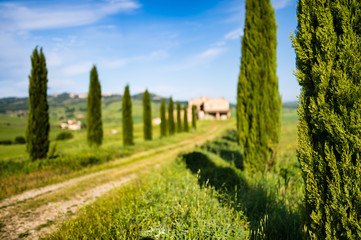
point(33, 213)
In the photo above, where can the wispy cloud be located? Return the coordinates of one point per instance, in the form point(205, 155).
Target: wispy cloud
point(117, 63)
point(235, 34)
point(21, 17)
point(199, 59)
point(76, 69)
point(279, 4)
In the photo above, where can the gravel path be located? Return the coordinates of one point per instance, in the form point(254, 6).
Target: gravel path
point(34, 212)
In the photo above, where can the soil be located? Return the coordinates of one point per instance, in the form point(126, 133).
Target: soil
point(35, 212)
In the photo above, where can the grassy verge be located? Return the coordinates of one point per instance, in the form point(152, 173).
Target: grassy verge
point(205, 194)
point(74, 158)
point(164, 205)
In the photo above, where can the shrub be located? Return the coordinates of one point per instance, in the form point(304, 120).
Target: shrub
point(64, 136)
point(19, 140)
point(5, 142)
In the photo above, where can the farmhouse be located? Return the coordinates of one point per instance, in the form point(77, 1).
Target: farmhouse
point(210, 108)
point(71, 125)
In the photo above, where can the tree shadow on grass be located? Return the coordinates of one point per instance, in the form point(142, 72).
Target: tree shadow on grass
point(269, 219)
point(227, 150)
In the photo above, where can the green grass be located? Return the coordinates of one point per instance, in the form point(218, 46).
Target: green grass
point(71, 157)
point(165, 205)
point(204, 194)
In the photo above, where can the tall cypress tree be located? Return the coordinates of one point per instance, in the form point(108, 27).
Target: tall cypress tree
point(179, 119)
point(258, 99)
point(147, 116)
point(94, 111)
point(194, 117)
point(163, 120)
point(37, 129)
point(171, 125)
point(127, 118)
point(185, 119)
point(327, 44)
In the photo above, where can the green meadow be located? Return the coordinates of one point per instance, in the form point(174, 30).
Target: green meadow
point(202, 194)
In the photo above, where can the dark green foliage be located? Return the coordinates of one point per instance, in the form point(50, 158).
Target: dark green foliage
point(94, 122)
point(163, 120)
point(64, 136)
point(19, 140)
point(194, 117)
point(260, 198)
point(258, 99)
point(38, 126)
point(171, 124)
point(147, 116)
point(5, 142)
point(179, 119)
point(185, 119)
point(327, 44)
point(127, 118)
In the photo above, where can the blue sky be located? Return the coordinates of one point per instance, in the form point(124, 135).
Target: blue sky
point(178, 48)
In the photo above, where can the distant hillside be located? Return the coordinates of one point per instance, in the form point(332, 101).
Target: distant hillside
point(15, 104)
point(291, 104)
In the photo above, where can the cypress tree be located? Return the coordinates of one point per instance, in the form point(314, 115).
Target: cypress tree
point(186, 128)
point(37, 129)
point(127, 118)
point(171, 125)
point(94, 111)
point(327, 44)
point(163, 120)
point(179, 119)
point(258, 99)
point(194, 117)
point(147, 116)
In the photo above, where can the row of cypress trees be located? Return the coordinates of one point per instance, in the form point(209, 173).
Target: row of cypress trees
point(169, 127)
point(38, 126)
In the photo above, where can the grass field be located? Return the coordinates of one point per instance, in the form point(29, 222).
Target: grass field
point(70, 158)
point(204, 194)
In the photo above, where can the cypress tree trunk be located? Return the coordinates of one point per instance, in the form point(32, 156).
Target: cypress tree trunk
point(37, 129)
point(163, 120)
point(147, 116)
point(179, 119)
point(186, 128)
point(127, 118)
point(171, 125)
point(194, 117)
point(258, 99)
point(327, 44)
point(94, 111)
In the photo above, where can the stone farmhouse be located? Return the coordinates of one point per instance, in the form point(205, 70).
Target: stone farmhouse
point(71, 125)
point(210, 108)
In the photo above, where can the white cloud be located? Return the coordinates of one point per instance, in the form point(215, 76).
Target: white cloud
point(209, 54)
point(279, 4)
point(53, 59)
point(76, 69)
point(117, 63)
point(20, 17)
point(235, 34)
point(199, 59)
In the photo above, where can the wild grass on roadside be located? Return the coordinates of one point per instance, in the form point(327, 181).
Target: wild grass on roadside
point(168, 204)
